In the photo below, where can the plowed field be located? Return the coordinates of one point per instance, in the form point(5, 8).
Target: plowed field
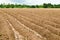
point(29, 24)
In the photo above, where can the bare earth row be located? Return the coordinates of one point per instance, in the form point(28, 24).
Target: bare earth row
point(29, 24)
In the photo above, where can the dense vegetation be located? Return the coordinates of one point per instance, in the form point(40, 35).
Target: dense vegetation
point(49, 5)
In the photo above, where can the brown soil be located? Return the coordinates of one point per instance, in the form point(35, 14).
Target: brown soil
point(29, 24)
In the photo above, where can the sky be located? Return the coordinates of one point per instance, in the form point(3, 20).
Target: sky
point(30, 2)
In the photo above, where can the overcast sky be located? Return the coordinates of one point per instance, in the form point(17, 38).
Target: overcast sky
point(31, 2)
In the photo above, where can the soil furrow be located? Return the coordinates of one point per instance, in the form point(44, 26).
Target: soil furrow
point(23, 29)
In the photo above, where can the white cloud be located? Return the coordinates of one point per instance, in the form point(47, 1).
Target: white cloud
point(42, 1)
point(31, 2)
point(5, 1)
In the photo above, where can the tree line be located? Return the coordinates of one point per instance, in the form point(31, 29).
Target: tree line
point(48, 5)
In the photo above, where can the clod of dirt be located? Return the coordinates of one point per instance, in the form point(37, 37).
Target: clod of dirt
point(0, 34)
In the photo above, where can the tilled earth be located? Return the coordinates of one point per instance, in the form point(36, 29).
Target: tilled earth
point(29, 24)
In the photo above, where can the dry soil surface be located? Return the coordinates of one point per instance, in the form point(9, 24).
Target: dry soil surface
point(29, 24)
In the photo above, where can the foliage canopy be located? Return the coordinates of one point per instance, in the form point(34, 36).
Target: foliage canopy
point(48, 5)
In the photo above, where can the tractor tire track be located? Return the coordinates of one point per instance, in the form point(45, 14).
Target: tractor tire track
point(48, 26)
point(21, 29)
point(26, 25)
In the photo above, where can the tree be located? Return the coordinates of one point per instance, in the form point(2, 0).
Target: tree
point(45, 5)
point(49, 5)
point(12, 5)
point(33, 6)
point(8, 6)
point(1, 5)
